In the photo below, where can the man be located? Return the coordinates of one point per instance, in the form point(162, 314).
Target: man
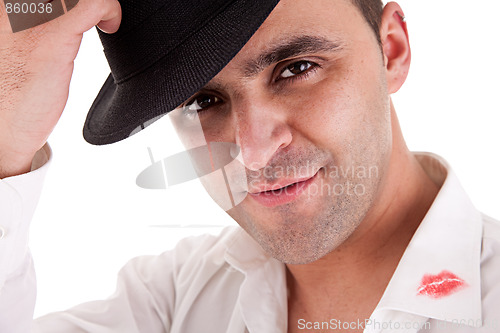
point(313, 96)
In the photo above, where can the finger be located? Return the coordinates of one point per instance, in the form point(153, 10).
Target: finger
point(89, 13)
point(110, 22)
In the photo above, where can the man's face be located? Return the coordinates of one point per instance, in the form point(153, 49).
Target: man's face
point(306, 100)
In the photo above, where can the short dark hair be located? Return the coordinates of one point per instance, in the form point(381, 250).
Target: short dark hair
point(372, 12)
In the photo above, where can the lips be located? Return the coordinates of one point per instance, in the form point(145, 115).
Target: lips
point(440, 285)
point(281, 193)
point(278, 186)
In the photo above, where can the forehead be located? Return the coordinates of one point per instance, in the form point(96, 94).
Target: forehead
point(336, 21)
point(330, 18)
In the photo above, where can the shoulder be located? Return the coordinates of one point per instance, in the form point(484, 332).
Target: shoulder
point(194, 259)
point(490, 269)
point(491, 228)
point(491, 240)
point(490, 251)
point(193, 249)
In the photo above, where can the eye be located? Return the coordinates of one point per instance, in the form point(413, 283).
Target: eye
point(201, 103)
point(297, 68)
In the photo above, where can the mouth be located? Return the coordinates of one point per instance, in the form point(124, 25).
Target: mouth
point(443, 284)
point(285, 192)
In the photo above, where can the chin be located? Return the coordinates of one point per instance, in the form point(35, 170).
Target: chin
point(303, 252)
point(297, 244)
point(302, 234)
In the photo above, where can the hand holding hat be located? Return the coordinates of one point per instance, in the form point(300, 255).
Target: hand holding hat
point(163, 52)
point(36, 65)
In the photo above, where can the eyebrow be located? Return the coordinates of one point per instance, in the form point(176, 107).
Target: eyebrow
point(292, 47)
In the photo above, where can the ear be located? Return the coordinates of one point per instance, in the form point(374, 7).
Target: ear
point(395, 45)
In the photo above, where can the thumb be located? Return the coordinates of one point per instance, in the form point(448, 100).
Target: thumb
point(106, 14)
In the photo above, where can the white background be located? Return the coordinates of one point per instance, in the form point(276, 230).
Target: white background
point(92, 218)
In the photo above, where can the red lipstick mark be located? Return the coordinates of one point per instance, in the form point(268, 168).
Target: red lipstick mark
point(443, 284)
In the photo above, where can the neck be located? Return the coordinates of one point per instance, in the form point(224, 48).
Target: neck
point(375, 248)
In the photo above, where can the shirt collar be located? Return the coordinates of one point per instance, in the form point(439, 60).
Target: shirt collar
point(448, 239)
point(264, 286)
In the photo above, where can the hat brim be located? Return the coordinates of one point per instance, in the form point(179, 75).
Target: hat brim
point(121, 109)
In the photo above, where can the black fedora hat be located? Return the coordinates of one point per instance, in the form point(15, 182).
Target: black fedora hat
point(163, 53)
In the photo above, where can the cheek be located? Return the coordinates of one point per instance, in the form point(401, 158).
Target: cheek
point(327, 112)
point(344, 113)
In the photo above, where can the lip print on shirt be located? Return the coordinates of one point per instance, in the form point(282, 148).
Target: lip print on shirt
point(440, 285)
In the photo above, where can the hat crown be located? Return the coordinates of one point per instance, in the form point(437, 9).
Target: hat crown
point(135, 12)
point(165, 51)
point(151, 29)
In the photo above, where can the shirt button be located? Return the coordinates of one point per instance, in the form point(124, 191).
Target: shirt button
point(2, 232)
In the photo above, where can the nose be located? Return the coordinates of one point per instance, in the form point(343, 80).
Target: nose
point(261, 131)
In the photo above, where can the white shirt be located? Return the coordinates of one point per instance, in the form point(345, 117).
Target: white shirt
point(227, 283)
